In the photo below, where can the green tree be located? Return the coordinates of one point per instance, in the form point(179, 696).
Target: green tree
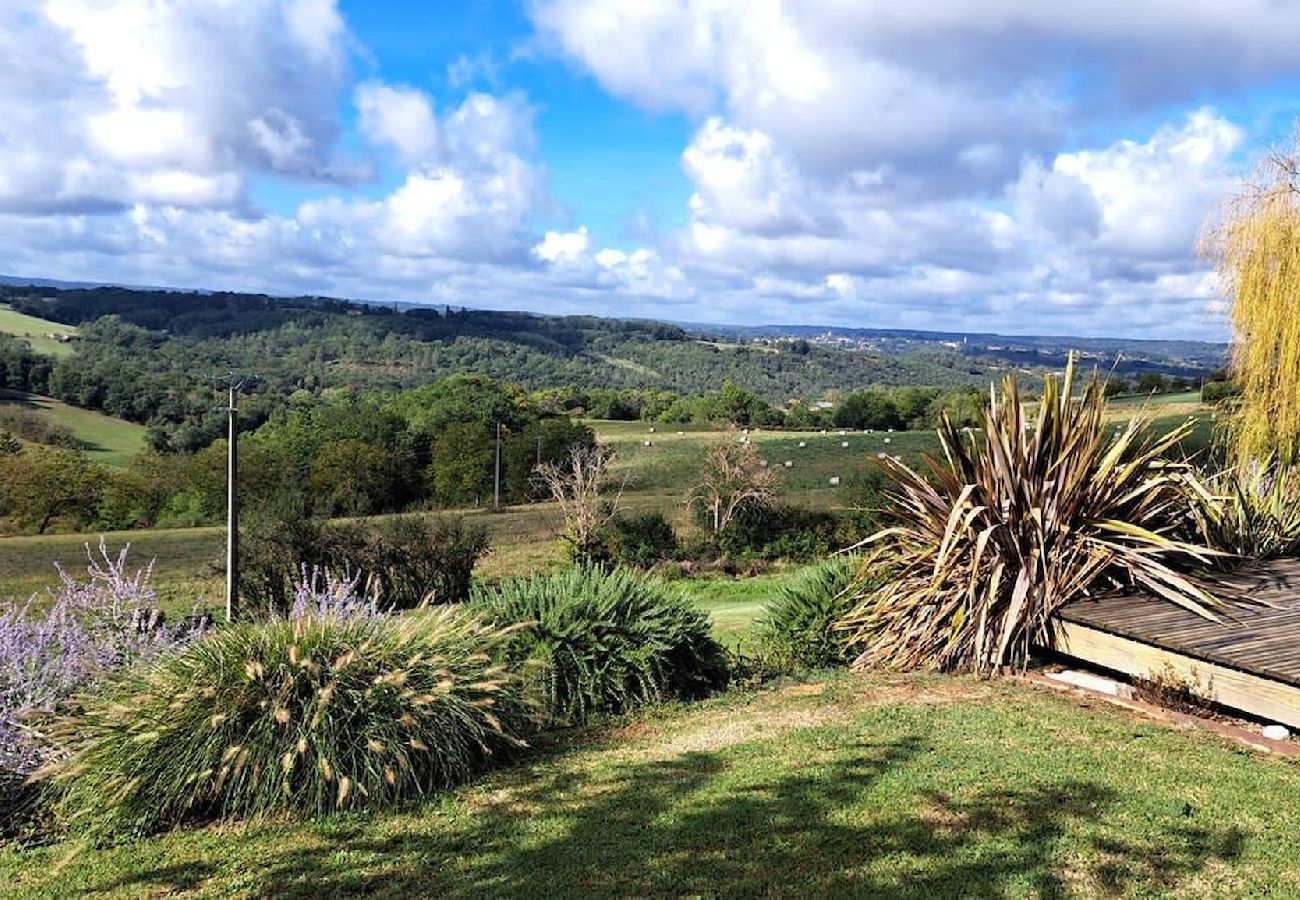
point(43, 484)
point(354, 478)
point(460, 469)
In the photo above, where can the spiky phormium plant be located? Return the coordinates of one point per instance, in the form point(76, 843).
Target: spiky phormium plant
point(1021, 519)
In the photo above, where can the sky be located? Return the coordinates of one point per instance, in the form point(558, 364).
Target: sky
point(1018, 166)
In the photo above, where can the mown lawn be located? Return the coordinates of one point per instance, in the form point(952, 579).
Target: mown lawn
point(849, 786)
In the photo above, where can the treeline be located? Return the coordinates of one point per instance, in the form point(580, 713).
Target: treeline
point(339, 453)
point(145, 356)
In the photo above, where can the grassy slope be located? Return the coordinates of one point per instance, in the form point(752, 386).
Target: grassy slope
point(186, 571)
point(658, 477)
point(108, 440)
point(33, 330)
point(863, 786)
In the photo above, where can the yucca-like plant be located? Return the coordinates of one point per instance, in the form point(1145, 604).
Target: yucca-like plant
point(1258, 516)
point(1019, 520)
point(605, 641)
point(322, 713)
point(800, 619)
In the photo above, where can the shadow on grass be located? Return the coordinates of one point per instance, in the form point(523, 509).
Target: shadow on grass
point(700, 823)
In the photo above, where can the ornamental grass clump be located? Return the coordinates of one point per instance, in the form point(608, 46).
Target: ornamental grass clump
point(605, 641)
point(800, 621)
point(1021, 519)
point(321, 713)
point(1258, 516)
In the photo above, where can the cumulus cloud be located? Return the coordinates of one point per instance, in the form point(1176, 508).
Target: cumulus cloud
point(108, 104)
point(922, 164)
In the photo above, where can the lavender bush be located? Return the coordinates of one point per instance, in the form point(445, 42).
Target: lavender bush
point(88, 627)
point(319, 594)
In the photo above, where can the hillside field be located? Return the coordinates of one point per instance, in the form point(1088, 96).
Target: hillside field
point(106, 439)
point(657, 477)
point(34, 331)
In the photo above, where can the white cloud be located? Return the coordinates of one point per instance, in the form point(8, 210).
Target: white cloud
point(400, 117)
point(467, 196)
point(562, 247)
point(163, 101)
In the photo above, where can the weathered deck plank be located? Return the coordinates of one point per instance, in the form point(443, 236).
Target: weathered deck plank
point(1258, 635)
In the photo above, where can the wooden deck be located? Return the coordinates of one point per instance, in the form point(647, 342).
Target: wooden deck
point(1250, 660)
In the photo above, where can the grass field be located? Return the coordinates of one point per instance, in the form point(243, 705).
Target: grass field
point(34, 331)
point(106, 439)
point(851, 785)
point(524, 538)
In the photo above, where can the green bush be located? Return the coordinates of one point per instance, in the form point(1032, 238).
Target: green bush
point(402, 560)
point(780, 531)
point(641, 541)
point(406, 560)
point(606, 641)
point(323, 713)
point(799, 619)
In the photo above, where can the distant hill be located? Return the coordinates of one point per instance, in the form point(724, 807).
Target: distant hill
point(1126, 356)
point(147, 356)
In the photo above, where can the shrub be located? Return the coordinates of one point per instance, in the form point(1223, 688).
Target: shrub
point(312, 715)
point(606, 641)
point(1020, 521)
point(799, 620)
point(407, 560)
point(1258, 515)
point(90, 628)
point(402, 561)
point(640, 541)
point(779, 531)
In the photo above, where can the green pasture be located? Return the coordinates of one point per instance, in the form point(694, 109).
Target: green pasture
point(106, 439)
point(34, 331)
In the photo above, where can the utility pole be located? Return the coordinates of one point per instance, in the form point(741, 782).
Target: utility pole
point(539, 448)
point(496, 489)
point(232, 511)
point(234, 383)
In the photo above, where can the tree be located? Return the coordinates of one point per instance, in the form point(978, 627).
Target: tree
point(734, 479)
point(545, 441)
point(136, 495)
point(1256, 249)
point(581, 486)
point(42, 484)
point(353, 478)
point(871, 408)
point(460, 465)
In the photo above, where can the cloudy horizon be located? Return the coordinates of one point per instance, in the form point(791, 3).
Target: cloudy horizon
point(1014, 168)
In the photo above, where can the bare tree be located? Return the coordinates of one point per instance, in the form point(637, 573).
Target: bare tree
point(581, 486)
point(734, 478)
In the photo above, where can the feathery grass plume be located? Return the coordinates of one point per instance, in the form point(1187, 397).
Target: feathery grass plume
point(1018, 521)
point(800, 619)
point(1256, 249)
point(312, 715)
point(606, 641)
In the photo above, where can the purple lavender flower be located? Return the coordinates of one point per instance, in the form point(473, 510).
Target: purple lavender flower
point(88, 628)
point(321, 594)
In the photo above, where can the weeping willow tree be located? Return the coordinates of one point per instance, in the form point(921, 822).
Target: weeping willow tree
point(1256, 249)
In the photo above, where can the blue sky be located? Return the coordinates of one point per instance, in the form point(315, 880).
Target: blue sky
point(1013, 166)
